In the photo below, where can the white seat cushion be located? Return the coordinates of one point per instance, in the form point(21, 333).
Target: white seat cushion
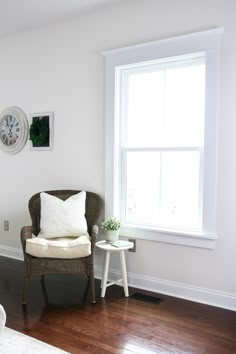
point(67, 247)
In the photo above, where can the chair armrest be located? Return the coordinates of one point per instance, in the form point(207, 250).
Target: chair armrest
point(26, 232)
point(94, 234)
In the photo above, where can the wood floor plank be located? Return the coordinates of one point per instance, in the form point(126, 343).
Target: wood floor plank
point(115, 325)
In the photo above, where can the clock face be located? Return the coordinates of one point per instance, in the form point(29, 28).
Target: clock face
point(14, 130)
point(9, 130)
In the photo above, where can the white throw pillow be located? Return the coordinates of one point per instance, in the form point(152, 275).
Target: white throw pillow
point(62, 218)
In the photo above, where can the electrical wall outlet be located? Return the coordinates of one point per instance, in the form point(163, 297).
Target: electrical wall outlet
point(134, 242)
point(6, 225)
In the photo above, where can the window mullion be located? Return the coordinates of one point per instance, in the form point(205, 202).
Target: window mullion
point(161, 148)
point(123, 185)
point(201, 180)
point(123, 142)
point(160, 186)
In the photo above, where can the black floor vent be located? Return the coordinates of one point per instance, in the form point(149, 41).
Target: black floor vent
point(146, 298)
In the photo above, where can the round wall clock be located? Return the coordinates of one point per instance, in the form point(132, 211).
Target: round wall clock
point(14, 130)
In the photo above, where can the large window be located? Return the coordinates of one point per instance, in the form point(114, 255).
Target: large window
point(161, 139)
point(162, 135)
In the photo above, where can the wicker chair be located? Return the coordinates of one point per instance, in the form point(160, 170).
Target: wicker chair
point(43, 266)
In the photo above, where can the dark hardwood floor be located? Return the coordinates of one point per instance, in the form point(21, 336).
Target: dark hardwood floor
point(115, 324)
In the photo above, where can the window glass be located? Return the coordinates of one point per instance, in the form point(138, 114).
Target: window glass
point(165, 106)
point(163, 188)
point(142, 187)
point(163, 130)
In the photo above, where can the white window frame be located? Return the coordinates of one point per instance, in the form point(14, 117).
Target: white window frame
point(208, 42)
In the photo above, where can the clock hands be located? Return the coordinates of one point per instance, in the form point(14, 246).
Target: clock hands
point(9, 130)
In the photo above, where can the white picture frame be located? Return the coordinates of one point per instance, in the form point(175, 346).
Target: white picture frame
point(49, 117)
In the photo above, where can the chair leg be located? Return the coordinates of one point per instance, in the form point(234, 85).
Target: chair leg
point(44, 289)
point(25, 290)
point(86, 291)
point(25, 317)
point(92, 289)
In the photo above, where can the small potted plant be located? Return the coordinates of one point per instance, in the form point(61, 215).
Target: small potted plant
point(111, 227)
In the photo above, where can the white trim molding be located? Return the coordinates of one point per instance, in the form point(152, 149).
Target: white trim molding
point(182, 44)
point(183, 291)
point(177, 237)
point(157, 285)
point(11, 252)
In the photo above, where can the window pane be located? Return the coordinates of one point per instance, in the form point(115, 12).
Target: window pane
point(142, 187)
point(145, 108)
point(166, 107)
point(162, 188)
point(180, 186)
point(185, 106)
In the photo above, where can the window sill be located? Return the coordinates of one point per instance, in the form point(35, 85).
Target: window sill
point(177, 237)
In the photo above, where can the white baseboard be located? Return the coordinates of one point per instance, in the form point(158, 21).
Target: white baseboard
point(183, 291)
point(201, 295)
point(11, 252)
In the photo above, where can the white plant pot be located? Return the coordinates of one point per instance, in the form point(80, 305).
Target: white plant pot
point(111, 235)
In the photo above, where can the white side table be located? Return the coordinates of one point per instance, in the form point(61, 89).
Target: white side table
point(108, 248)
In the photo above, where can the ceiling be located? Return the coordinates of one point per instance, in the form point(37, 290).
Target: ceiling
point(20, 15)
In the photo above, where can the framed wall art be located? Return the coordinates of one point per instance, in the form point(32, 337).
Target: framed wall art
point(41, 131)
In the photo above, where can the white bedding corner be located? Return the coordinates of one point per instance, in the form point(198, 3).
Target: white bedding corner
point(2, 319)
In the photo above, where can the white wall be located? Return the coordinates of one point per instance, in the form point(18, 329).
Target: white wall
point(61, 69)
